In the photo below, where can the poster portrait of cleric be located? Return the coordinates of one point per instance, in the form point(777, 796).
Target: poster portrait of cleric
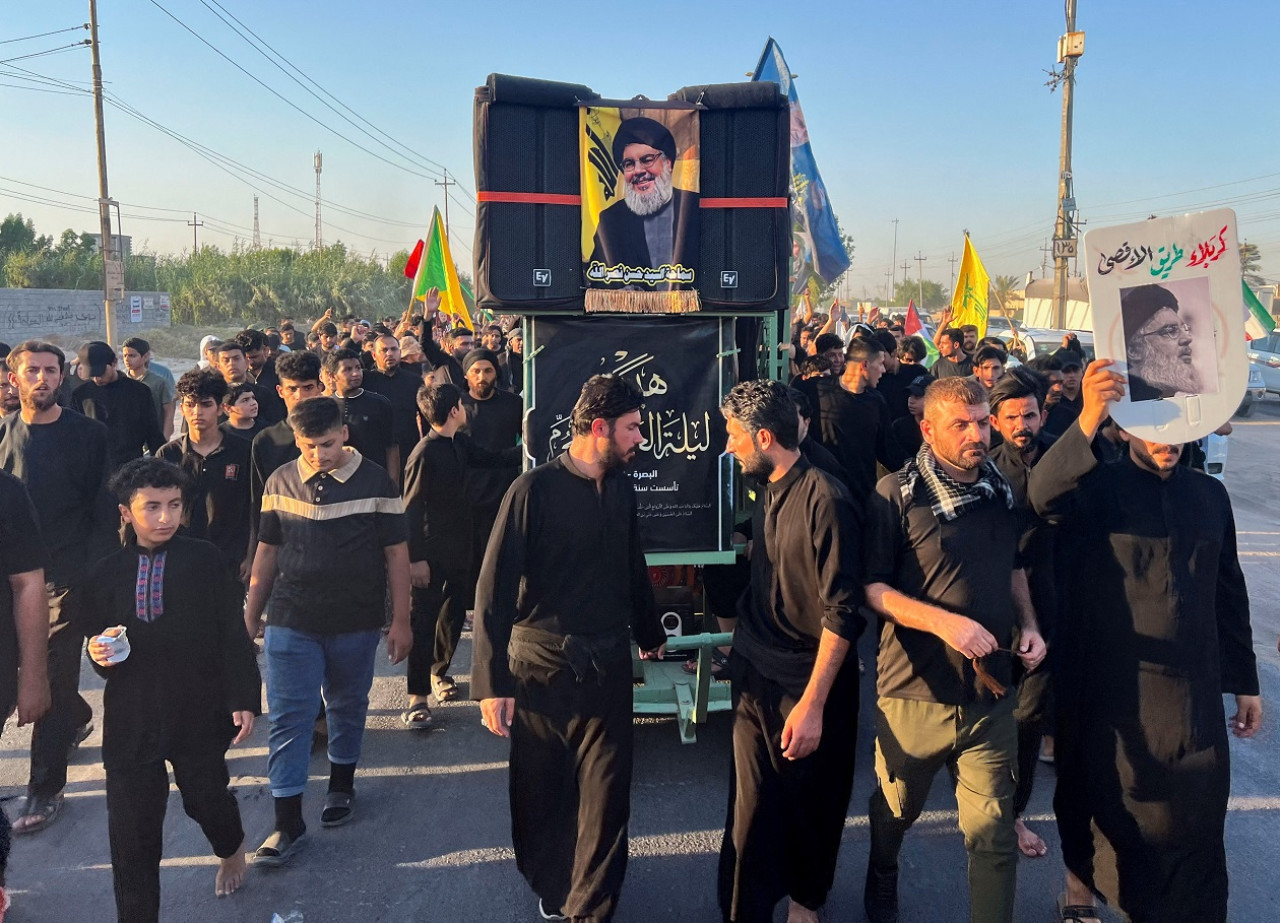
point(654, 224)
point(1169, 342)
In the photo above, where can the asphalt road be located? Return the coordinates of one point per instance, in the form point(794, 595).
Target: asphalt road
point(431, 841)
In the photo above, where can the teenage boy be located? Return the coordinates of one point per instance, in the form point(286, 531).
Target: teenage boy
point(137, 363)
point(218, 465)
point(240, 407)
point(124, 405)
point(189, 681)
point(368, 416)
point(234, 366)
point(441, 518)
point(332, 537)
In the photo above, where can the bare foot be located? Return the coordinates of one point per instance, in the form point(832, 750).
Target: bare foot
point(798, 914)
point(231, 873)
point(1032, 846)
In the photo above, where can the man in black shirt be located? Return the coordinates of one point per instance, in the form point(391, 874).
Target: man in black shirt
point(217, 507)
point(262, 371)
point(400, 386)
point(61, 458)
point(1016, 414)
point(275, 446)
point(24, 624)
point(124, 405)
point(795, 690)
point(953, 362)
point(944, 568)
point(897, 375)
point(853, 419)
point(906, 430)
point(563, 587)
point(1064, 411)
point(440, 549)
point(367, 416)
point(234, 366)
point(512, 361)
point(240, 407)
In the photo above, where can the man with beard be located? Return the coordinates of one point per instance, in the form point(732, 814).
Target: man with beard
point(1157, 345)
point(795, 690)
point(552, 662)
point(1016, 415)
point(367, 416)
point(655, 224)
point(446, 366)
point(1154, 630)
point(400, 387)
point(494, 420)
point(10, 403)
point(944, 568)
point(61, 457)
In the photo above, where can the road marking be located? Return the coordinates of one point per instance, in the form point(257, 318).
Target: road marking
point(1259, 554)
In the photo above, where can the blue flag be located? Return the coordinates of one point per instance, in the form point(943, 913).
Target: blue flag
point(817, 248)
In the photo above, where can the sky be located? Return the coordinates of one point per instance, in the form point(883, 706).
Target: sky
point(935, 114)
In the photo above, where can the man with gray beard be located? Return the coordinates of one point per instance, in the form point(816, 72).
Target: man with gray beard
point(655, 224)
point(1157, 344)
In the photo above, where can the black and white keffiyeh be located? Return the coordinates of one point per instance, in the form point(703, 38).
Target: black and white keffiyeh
point(948, 498)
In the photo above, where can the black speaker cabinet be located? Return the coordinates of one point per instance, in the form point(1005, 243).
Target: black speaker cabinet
point(746, 181)
point(528, 216)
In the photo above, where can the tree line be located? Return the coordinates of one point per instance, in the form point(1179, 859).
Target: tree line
point(211, 286)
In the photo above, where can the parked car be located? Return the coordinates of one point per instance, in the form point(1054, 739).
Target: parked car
point(1265, 353)
point(998, 326)
point(1050, 341)
point(1257, 390)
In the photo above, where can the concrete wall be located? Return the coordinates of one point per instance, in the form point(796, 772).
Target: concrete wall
point(29, 313)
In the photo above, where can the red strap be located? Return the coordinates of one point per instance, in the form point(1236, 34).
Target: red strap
point(744, 203)
point(529, 198)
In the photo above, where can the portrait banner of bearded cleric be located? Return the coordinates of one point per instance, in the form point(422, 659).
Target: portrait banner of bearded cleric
point(1168, 311)
point(640, 238)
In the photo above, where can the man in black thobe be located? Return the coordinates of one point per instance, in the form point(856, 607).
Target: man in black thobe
point(563, 587)
point(795, 690)
point(1153, 630)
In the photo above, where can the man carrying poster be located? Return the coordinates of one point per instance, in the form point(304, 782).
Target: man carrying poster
point(645, 242)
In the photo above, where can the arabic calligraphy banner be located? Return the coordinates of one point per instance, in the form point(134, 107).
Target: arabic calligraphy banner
point(1167, 307)
point(683, 477)
point(640, 195)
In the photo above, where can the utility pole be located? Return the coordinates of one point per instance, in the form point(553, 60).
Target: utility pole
point(1045, 250)
point(895, 251)
point(906, 267)
point(446, 183)
point(195, 229)
point(319, 161)
point(888, 277)
point(920, 279)
point(953, 260)
point(257, 236)
point(110, 272)
point(1070, 48)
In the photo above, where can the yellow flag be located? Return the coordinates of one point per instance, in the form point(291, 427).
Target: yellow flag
point(969, 300)
point(437, 270)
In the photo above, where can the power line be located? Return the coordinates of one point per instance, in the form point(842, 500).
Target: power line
point(285, 99)
point(41, 54)
point(411, 153)
point(27, 38)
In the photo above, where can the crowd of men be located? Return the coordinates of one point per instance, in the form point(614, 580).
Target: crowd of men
point(1032, 570)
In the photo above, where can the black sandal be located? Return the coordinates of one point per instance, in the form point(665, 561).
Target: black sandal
point(1076, 913)
point(41, 811)
point(416, 716)
point(277, 849)
point(339, 807)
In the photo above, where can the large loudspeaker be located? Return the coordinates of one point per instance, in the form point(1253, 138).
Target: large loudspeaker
point(745, 167)
point(528, 216)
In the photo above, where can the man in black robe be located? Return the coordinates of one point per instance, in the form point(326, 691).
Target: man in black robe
point(563, 587)
point(795, 689)
point(1153, 630)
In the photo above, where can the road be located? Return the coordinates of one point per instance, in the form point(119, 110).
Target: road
point(431, 842)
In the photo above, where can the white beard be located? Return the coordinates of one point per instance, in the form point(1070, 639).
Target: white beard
point(647, 203)
point(1170, 375)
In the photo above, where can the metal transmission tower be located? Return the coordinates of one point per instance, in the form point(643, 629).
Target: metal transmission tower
point(1070, 48)
point(257, 236)
point(319, 159)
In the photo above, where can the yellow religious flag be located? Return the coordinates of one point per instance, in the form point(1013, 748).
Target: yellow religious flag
point(969, 300)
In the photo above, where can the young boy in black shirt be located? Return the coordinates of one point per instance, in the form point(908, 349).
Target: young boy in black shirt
point(189, 681)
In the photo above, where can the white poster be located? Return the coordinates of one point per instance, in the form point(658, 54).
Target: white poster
point(135, 309)
point(1167, 307)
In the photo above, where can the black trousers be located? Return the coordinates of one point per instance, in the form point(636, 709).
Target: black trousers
point(786, 817)
point(8, 699)
point(436, 616)
point(1035, 695)
point(483, 516)
point(137, 797)
point(571, 750)
point(52, 735)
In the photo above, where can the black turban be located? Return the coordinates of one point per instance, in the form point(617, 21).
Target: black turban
point(641, 130)
point(1139, 305)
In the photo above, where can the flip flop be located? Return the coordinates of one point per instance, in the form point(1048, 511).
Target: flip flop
point(37, 814)
point(277, 849)
point(416, 717)
point(339, 807)
point(719, 663)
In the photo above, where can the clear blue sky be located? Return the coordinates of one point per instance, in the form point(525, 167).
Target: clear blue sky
point(934, 113)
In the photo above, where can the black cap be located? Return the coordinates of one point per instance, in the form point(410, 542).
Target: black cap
point(920, 384)
point(97, 356)
point(1068, 359)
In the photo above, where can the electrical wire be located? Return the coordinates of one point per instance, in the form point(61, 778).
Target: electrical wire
point(41, 54)
point(27, 38)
